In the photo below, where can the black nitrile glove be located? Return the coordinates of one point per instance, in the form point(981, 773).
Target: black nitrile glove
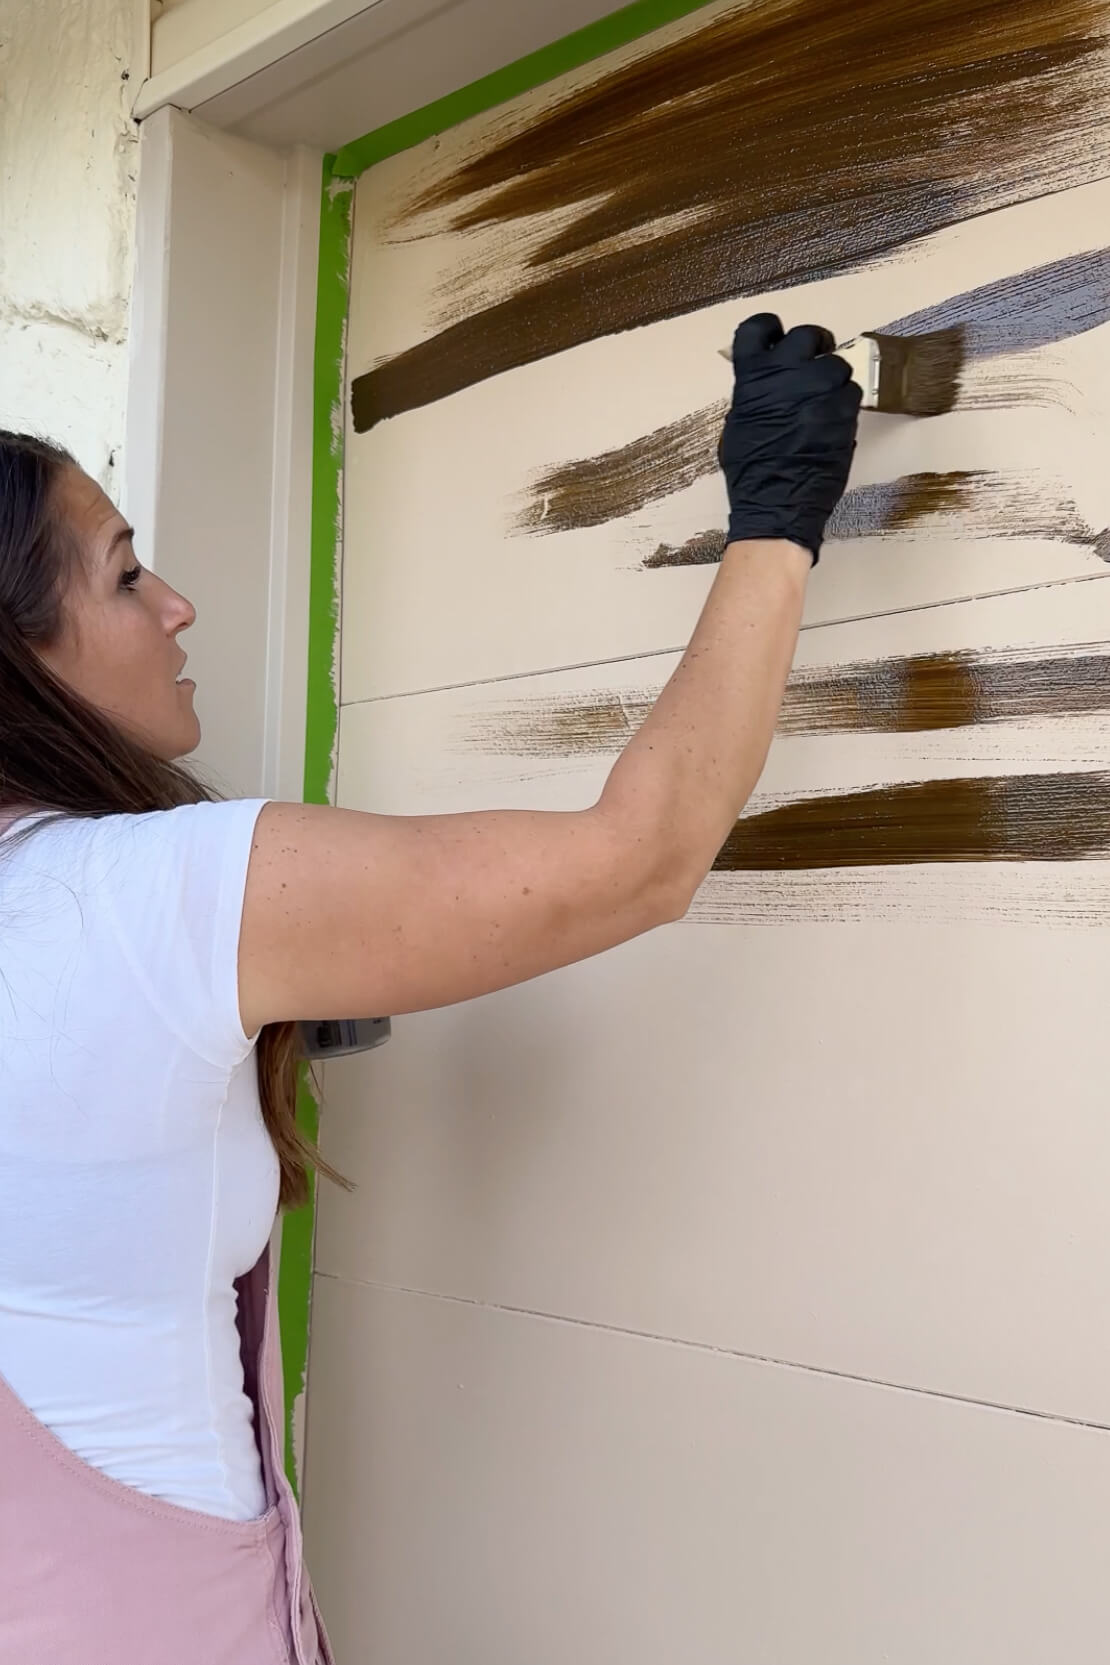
point(790, 434)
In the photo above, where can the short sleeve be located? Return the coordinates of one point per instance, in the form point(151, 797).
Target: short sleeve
point(169, 887)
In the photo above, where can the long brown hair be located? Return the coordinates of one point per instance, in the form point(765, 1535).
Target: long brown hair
point(59, 753)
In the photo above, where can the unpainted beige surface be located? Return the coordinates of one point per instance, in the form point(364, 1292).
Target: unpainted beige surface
point(492, 1487)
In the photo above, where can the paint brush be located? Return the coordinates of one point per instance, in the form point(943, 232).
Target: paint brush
point(905, 375)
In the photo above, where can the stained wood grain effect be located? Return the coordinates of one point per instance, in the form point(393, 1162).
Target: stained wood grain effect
point(674, 181)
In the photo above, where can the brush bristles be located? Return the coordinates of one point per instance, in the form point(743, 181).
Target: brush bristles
point(919, 375)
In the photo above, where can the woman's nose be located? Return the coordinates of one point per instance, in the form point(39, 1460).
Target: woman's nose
point(179, 610)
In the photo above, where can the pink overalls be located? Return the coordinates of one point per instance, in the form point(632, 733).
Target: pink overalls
point(95, 1573)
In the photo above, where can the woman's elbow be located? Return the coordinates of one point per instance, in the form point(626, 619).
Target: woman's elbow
point(668, 885)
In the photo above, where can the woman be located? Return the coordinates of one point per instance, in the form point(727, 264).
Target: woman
point(156, 950)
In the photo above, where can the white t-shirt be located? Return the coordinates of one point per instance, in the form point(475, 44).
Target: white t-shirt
point(137, 1179)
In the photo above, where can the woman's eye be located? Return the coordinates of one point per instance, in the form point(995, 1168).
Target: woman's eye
point(130, 578)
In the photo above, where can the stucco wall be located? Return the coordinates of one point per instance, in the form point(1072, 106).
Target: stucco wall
point(68, 159)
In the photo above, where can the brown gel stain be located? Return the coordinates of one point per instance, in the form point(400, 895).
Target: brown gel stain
point(1052, 817)
point(601, 488)
point(592, 724)
point(983, 388)
point(1026, 310)
point(1029, 309)
point(913, 695)
point(893, 505)
point(971, 503)
point(778, 143)
point(975, 503)
point(701, 550)
point(945, 690)
point(622, 482)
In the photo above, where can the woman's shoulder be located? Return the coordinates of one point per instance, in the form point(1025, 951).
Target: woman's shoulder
point(45, 842)
point(183, 820)
point(152, 903)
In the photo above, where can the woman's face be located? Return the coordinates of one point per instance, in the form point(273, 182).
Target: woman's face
point(119, 648)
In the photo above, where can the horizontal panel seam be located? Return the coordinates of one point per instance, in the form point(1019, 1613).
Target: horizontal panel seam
point(766, 1360)
point(664, 652)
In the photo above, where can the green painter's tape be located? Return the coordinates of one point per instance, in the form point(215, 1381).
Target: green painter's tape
point(618, 29)
point(327, 474)
point(298, 1227)
point(295, 1286)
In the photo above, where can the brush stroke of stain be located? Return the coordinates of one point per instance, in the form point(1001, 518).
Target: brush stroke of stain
point(916, 694)
point(1030, 309)
point(778, 143)
point(933, 691)
point(579, 724)
point(1026, 310)
point(599, 489)
point(973, 503)
point(1047, 817)
point(979, 503)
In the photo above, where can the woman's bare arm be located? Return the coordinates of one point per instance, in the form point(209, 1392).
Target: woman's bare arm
point(348, 914)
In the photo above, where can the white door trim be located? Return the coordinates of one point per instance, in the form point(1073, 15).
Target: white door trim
point(218, 462)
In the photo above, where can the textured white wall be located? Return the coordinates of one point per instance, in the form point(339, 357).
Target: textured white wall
point(68, 156)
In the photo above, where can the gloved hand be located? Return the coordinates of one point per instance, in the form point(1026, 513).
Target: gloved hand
point(790, 433)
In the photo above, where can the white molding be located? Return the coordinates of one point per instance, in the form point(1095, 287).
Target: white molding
point(140, 51)
point(218, 463)
point(220, 63)
point(146, 346)
point(291, 511)
point(324, 72)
